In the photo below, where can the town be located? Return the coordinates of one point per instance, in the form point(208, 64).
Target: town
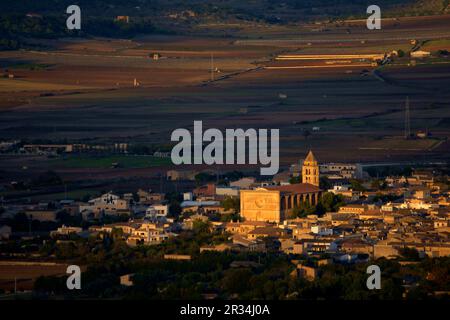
point(314, 214)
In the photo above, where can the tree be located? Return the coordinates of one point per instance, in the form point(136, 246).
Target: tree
point(443, 53)
point(231, 203)
point(200, 227)
point(174, 199)
point(230, 217)
point(378, 185)
point(67, 219)
point(329, 202)
point(356, 185)
point(410, 253)
point(20, 222)
point(174, 209)
point(204, 177)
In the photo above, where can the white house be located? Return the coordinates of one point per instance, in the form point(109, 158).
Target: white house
point(157, 210)
point(321, 231)
point(108, 203)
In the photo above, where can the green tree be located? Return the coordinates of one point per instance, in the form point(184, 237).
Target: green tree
point(294, 180)
point(236, 280)
point(201, 227)
point(325, 183)
point(329, 202)
point(304, 209)
point(231, 203)
point(356, 185)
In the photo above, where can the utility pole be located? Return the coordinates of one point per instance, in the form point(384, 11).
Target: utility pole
point(212, 67)
point(407, 120)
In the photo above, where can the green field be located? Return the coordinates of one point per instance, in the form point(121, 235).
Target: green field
point(99, 162)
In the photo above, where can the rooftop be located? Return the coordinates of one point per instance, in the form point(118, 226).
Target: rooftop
point(296, 188)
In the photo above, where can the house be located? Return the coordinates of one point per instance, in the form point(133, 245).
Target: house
point(274, 204)
point(225, 191)
point(343, 170)
point(155, 56)
point(138, 231)
point(48, 148)
point(420, 54)
point(282, 178)
point(41, 215)
point(353, 209)
point(34, 15)
point(321, 230)
point(157, 210)
point(109, 204)
point(305, 272)
point(188, 224)
point(217, 248)
point(126, 227)
point(149, 197)
point(266, 232)
point(71, 207)
point(346, 192)
point(311, 246)
point(356, 246)
point(206, 191)
point(184, 257)
point(175, 175)
point(201, 207)
point(350, 258)
point(245, 244)
point(65, 230)
point(244, 227)
point(147, 235)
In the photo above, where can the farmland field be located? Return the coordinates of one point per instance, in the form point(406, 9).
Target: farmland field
point(83, 90)
point(108, 161)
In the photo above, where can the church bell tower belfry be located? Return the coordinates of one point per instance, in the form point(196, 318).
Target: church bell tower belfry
point(310, 170)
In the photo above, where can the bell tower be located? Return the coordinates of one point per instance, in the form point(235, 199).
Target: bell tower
point(310, 170)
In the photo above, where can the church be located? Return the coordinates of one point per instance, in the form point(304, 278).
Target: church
point(275, 203)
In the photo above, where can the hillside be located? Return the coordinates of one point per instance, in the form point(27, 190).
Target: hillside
point(47, 18)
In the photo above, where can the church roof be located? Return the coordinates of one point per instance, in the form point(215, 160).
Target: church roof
point(310, 157)
point(296, 188)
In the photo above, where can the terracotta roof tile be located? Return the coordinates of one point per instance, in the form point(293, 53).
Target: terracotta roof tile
point(296, 188)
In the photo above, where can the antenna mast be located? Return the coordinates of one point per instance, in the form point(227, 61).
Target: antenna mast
point(407, 120)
